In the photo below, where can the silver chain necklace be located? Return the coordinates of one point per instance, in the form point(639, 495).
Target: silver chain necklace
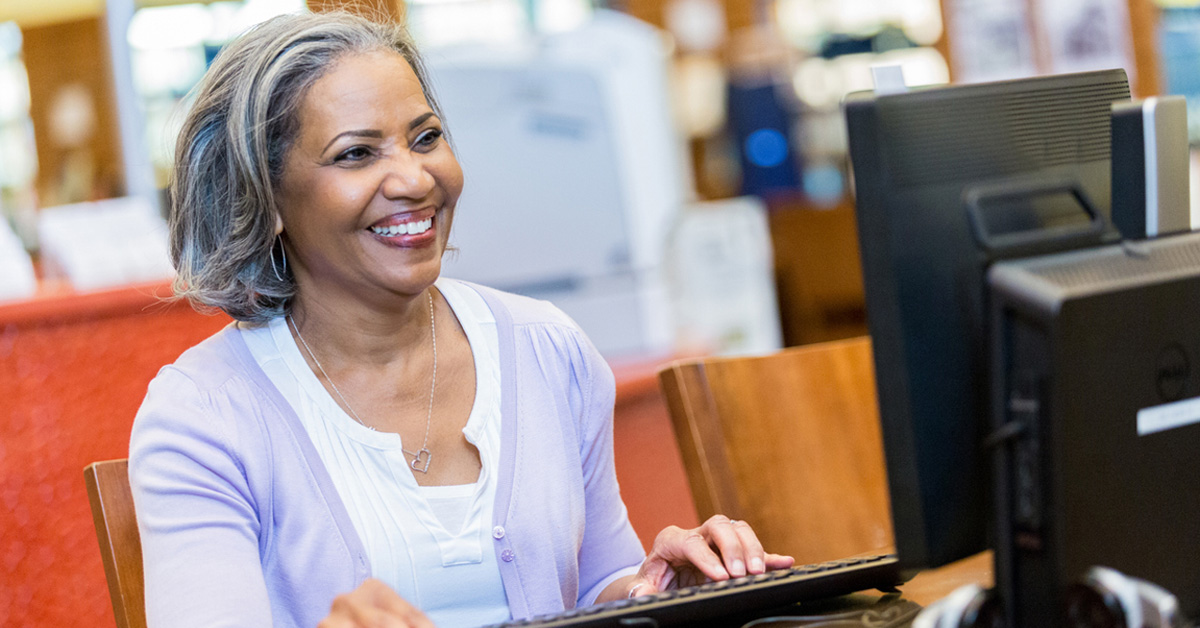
point(422, 456)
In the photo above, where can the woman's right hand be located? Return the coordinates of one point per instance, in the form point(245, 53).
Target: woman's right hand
point(373, 605)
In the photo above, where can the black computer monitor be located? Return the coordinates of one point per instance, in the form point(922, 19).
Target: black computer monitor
point(948, 180)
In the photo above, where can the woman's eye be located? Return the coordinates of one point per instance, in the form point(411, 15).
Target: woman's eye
point(357, 153)
point(429, 138)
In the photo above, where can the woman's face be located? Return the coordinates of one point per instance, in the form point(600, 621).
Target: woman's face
point(369, 185)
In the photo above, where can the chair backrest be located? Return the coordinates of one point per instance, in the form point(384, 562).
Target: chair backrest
point(789, 442)
point(120, 544)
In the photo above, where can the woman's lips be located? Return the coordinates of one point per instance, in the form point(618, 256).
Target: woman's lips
point(407, 231)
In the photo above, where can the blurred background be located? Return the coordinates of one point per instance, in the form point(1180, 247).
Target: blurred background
point(681, 149)
point(672, 173)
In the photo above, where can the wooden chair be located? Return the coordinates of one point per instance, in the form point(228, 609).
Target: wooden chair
point(120, 545)
point(789, 442)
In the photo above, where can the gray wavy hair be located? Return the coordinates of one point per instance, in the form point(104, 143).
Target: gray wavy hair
point(230, 156)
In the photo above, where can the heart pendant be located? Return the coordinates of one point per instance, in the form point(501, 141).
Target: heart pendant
point(421, 460)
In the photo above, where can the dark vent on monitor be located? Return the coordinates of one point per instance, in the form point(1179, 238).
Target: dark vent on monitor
point(1165, 259)
point(976, 133)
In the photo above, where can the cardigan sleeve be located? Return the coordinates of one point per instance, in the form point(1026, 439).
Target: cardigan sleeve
point(610, 548)
point(197, 515)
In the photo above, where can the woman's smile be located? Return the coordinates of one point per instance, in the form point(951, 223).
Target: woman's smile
point(406, 230)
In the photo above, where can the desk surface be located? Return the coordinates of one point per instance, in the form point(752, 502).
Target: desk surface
point(932, 585)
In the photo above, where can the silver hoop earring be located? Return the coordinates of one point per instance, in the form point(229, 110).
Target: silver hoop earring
point(283, 253)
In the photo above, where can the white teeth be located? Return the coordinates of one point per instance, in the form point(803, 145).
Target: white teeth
point(406, 228)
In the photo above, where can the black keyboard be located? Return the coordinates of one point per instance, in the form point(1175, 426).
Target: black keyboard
point(717, 602)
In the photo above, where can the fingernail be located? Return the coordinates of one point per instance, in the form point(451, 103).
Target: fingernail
point(738, 568)
point(719, 568)
point(757, 565)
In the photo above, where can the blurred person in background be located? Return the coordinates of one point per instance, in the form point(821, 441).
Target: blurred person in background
point(370, 444)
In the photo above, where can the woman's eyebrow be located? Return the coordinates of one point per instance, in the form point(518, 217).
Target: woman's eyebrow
point(419, 120)
point(374, 133)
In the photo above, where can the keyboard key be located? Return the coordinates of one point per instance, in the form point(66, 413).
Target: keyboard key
point(737, 582)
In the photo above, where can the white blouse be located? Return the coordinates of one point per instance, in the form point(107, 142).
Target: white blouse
point(432, 544)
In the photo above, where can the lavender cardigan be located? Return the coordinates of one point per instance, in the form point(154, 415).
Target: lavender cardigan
point(241, 524)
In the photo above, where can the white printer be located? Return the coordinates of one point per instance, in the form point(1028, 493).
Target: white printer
point(574, 174)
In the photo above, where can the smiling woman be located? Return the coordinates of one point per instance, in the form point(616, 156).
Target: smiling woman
point(369, 168)
point(371, 443)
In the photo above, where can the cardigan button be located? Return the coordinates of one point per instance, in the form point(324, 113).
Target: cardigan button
point(507, 556)
point(498, 532)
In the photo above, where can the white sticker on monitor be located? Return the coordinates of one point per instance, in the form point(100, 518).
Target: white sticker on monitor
point(1168, 416)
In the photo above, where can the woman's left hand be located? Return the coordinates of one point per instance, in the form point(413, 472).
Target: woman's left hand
point(719, 549)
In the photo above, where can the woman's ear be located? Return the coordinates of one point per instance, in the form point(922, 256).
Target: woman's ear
point(278, 224)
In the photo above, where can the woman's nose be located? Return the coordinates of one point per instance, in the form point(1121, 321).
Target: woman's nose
point(407, 177)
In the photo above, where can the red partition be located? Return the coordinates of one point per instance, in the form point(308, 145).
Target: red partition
point(73, 370)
